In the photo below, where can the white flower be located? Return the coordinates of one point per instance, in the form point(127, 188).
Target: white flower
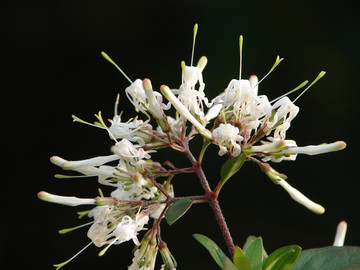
point(228, 139)
point(137, 96)
point(241, 101)
point(190, 77)
point(108, 230)
point(135, 188)
point(130, 130)
point(184, 112)
point(128, 152)
point(286, 111)
point(187, 93)
point(234, 93)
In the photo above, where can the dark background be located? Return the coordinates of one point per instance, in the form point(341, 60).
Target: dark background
point(52, 68)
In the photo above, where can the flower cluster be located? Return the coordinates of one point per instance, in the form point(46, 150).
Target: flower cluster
point(244, 124)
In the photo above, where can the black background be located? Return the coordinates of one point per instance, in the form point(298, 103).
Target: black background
point(52, 68)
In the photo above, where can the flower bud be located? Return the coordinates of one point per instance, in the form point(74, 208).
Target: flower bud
point(183, 111)
point(65, 200)
point(300, 198)
point(154, 106)
point(340, 234)
point(168, 258)
point(316, 149)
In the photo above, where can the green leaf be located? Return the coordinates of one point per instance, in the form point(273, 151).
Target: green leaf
point(329, 258)
point(282, 258)
point(177, 209)
point(240, 260)
point(254, 253)
point(228, 265)
point(249, 241)
point(215, 252)
point(231, 166)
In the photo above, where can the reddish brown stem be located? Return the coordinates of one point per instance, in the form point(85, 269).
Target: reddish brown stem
point(211, 197)
point(214, 203)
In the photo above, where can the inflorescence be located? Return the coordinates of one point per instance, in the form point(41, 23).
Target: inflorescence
point(243, 123)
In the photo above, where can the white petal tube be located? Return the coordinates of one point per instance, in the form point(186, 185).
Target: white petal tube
point(340, 234)
point(316, 149)
point(213, 112)
point(65, 200)
point(269, 147)
point(182, 110)
point(153, 103)
point(71, 165)
point(300, 198)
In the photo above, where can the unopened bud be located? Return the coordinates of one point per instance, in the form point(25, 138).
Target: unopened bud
point(316, 149)
point(167, 257)
point(65, 200)
point(340, 234)
point(183, 111)
point(300, 198)
point(154, 106)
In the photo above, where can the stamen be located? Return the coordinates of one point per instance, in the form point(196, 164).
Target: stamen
point(101, 193)
point(240, 60)
point(321, 74)
point(183, 67)
point(116, 105)
point(58, 266)
point(102, 252)
point(82, 214)
point(291, 91)
point(63, 176)
point(77, 119)
point(107, 57)
point(277, 62)
point(99, 117)
point(63, 231)
point(193, 45)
